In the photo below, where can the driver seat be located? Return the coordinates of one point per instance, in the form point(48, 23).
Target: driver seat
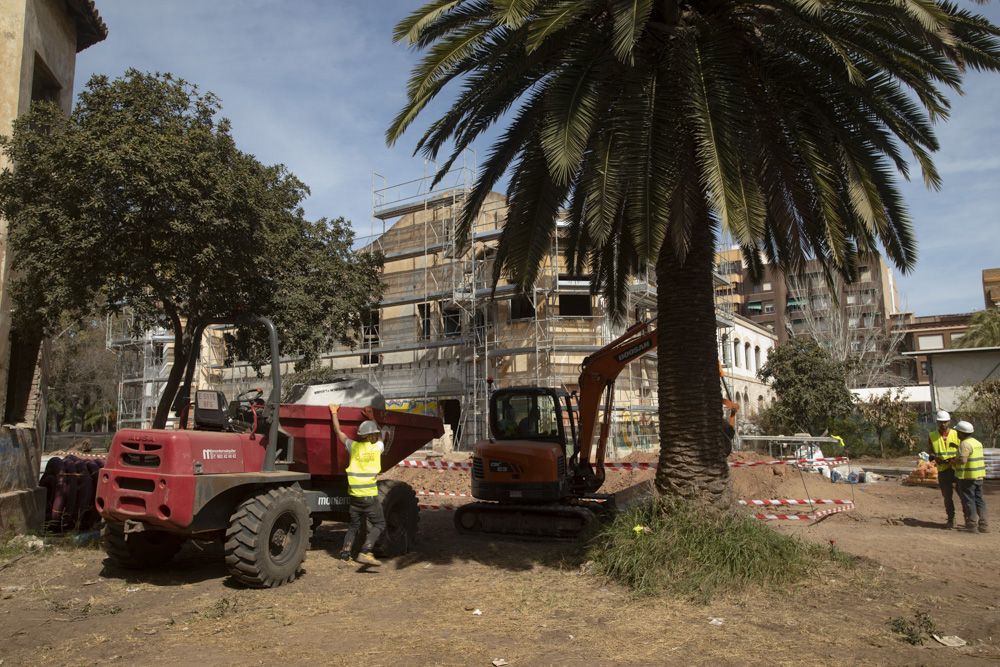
point(210, 411)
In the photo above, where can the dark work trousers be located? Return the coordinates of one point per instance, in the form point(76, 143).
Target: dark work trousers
point(973, 505)
point(369, 509)
point(946, 482)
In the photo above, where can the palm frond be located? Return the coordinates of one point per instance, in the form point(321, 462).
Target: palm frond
point(630, 17)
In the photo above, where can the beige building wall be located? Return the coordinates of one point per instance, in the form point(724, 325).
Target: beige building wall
point(39, 40)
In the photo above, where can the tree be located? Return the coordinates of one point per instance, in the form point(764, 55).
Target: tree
point(851, 332)
point(984, 330)
point(83, 387)
point(810, 387)
point(655, 123)
point(141, 199)
point(889, 412)
point(982, 404)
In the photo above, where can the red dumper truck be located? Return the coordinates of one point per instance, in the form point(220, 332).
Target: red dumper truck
point(254, 474)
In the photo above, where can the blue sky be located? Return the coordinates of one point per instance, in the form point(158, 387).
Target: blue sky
point(314, 83)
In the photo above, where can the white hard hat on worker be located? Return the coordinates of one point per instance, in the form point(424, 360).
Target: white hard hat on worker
point(964, 427)
point(942, 416)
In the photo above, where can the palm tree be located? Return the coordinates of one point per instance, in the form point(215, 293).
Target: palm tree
point(984, 329)
point(657, 122)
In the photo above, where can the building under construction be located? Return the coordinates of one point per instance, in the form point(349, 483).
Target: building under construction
point(443, 333)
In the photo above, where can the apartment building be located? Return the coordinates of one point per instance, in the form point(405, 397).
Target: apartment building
point(991, 287)
point(928, 333)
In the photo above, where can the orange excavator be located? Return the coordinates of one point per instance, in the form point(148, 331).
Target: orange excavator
point(539, 473)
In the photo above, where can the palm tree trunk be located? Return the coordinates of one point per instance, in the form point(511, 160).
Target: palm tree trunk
point(693, 451)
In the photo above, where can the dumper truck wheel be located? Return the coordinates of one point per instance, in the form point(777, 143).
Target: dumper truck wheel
point(267, 538)
point(146, 549)
point(399, 507)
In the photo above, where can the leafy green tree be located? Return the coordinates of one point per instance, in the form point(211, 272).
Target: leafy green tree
point(984, 330)
point(889, 416)
point(82, 378)
point(981, 405)
point(654, 123)
point(810, 387)
point(141, 200)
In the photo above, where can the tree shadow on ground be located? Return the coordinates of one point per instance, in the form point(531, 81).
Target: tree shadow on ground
point(439, 543)
point(920, 523)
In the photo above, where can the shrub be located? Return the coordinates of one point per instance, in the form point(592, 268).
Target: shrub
point(674, 547)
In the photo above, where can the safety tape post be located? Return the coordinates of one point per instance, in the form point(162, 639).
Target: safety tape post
point(447, 494)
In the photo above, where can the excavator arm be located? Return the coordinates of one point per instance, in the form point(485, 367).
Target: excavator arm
point(597, 386)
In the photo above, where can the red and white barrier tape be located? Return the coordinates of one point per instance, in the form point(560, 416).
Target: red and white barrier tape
point(464, 465)
point(816, 462)
point(447, 494)
point(435, 465)
point(797, 501)
point(804, 517)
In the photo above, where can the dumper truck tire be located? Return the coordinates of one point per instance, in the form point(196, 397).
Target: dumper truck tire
point(399, 507)
point(144, 550)
point(267, 538)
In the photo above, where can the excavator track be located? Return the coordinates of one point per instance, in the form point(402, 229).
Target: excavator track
point(553, 521)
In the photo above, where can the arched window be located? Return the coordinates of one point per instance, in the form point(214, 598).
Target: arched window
point(756, 357)
point(746, 356)
point(736, 353)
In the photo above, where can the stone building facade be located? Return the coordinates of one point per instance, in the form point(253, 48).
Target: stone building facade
point(39, 40)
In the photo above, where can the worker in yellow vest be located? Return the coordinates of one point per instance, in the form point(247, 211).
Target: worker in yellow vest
point(970, 471)
point(362, 487)
point(942, 445)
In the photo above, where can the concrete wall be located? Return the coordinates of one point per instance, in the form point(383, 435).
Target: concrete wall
point(22, 501)
point(952, 373)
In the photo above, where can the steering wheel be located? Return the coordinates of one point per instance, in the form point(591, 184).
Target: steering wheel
point(250, 395)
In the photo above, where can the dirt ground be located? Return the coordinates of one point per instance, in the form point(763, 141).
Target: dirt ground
point(538, 604)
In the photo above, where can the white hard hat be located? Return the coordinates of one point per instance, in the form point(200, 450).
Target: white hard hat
point(942, 416)
point(963, 427)
point(368, 428)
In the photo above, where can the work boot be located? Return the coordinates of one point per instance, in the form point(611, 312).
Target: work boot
point(970, 528)
point(366, 558)
point(983, 528)
point(950, 524)
point(344, 555)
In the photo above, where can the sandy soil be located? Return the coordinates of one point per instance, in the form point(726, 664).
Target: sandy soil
point(539, 607)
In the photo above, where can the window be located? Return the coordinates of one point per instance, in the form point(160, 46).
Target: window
point(766, 287)
point(521, 308)
point(424, 316)
point(736, 352)
point(756, 357)
point(924, 368)
point(754, 308)
point(794, 303)
point(370, 336)
point(727, 351)
point(930, 342)
point(452, 320)
point(746, 356)
point(957, 336)
point(574, 305)
point(852, 299)
point(864, 273)
point(853, 322)
point(768, 306)
point(44, 85)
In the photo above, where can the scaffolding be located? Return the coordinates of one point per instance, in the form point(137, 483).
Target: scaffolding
point(144, 362)
point(443, 334)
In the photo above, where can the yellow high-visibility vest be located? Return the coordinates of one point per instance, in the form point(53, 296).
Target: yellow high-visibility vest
point(975, 467)
point(945, 449)
point(366, 463)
